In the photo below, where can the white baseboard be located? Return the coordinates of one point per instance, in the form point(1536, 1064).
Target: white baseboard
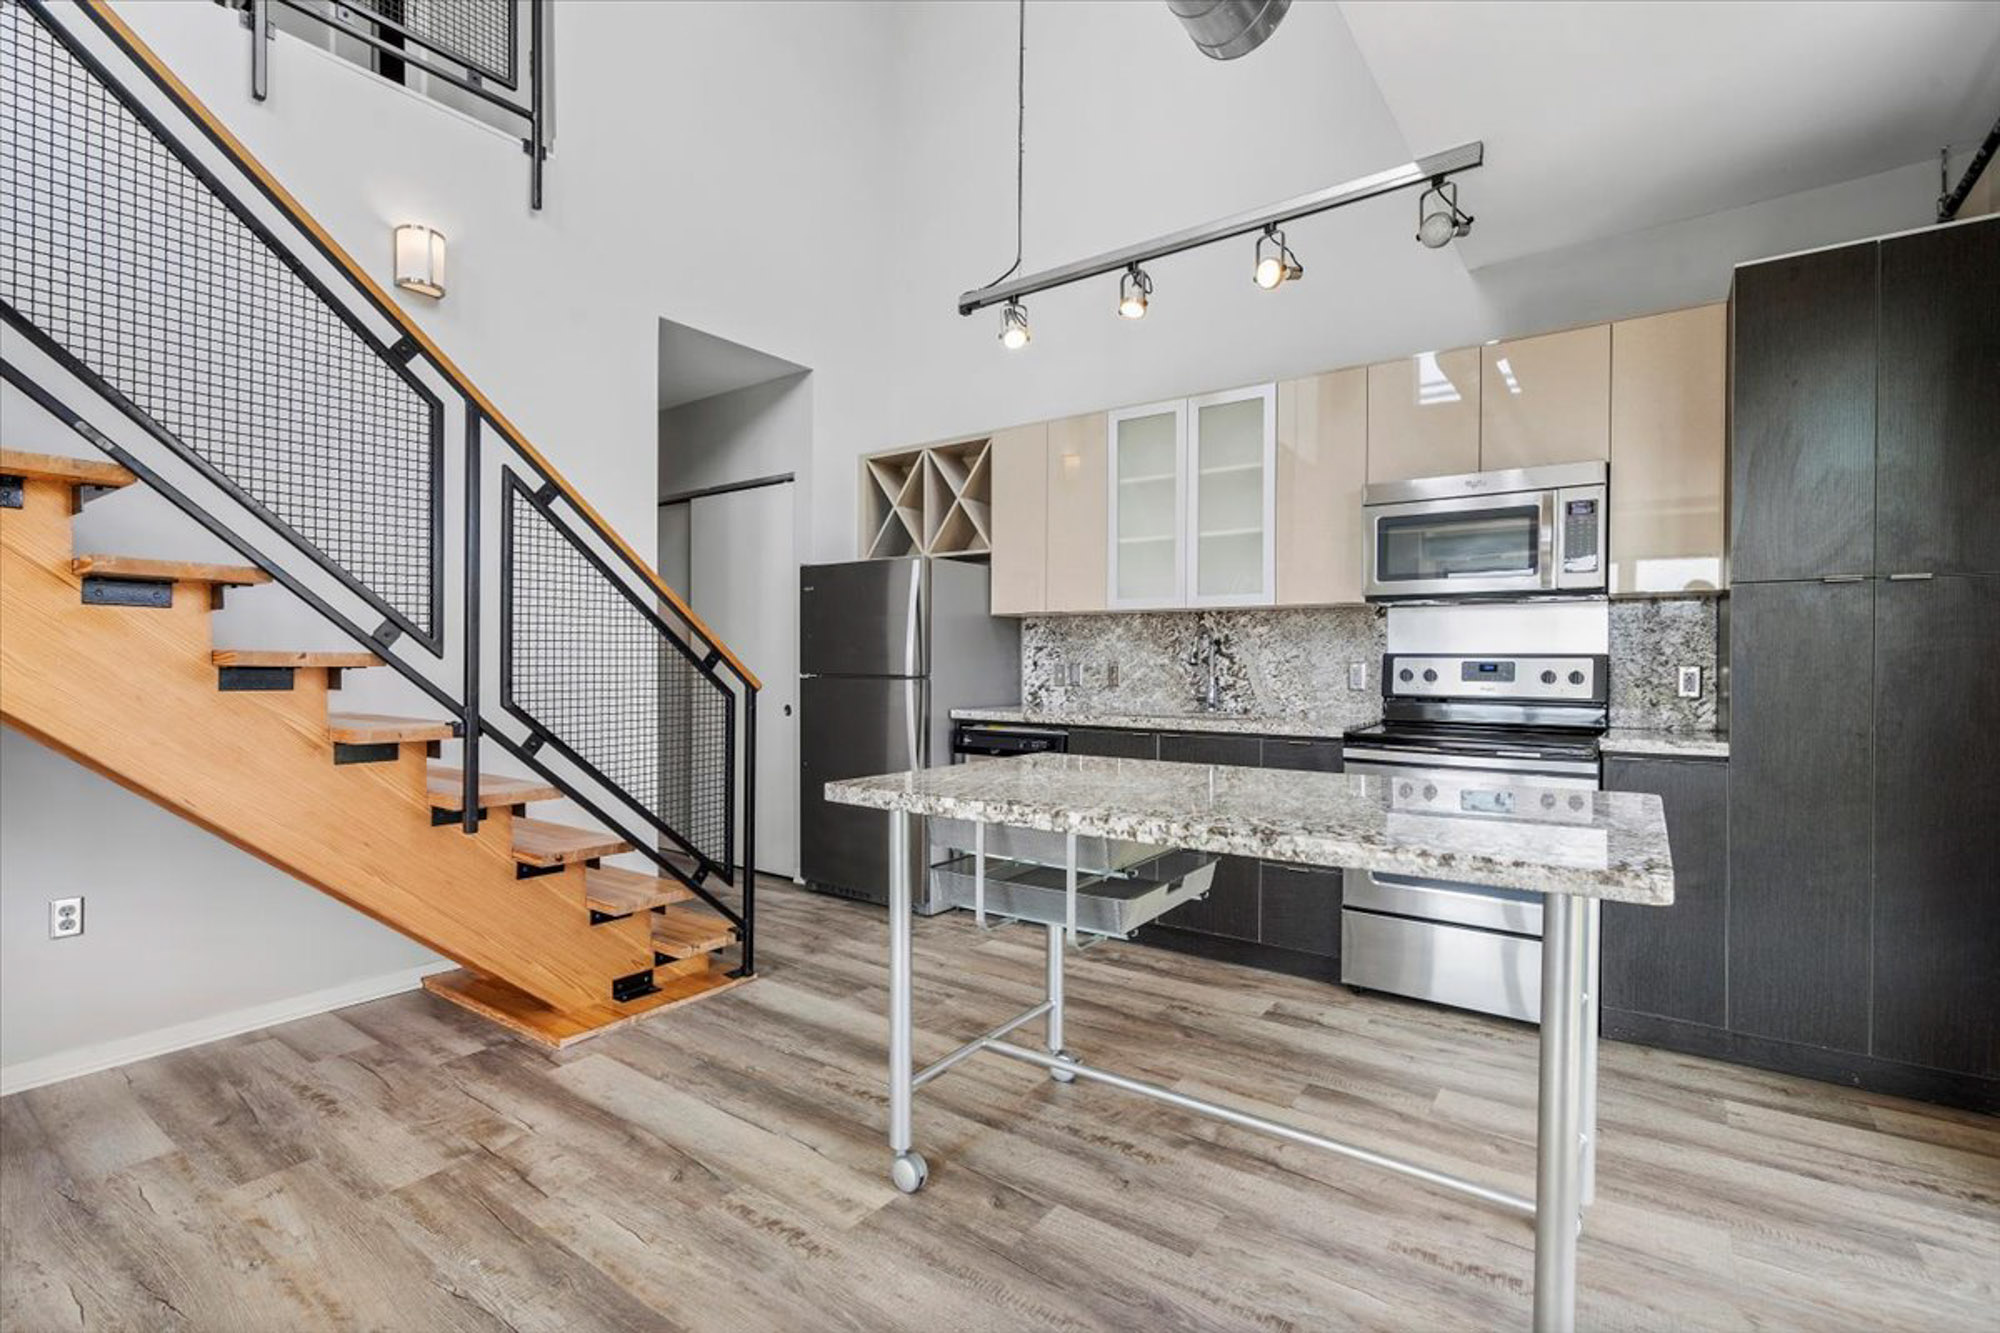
point(25, 1074)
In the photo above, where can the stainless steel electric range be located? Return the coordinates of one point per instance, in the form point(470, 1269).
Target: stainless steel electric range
point(1533, 724)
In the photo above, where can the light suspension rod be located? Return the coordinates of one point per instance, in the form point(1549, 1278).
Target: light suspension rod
point(1420, 172)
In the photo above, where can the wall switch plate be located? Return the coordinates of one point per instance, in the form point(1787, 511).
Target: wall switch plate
point(1690, 685)
point(65, 918)
point(1074, 673)
point(1357, 675)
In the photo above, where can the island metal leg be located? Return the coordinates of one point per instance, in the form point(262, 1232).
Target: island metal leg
point(908, 1169)
point(1055, 1001)
point(1560, 1114)
point(1592, 1003)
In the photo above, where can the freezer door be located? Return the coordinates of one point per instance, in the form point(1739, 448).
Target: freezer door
point(863, 618)
point(853, 727)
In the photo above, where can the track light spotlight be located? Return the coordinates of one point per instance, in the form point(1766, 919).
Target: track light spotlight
point(1133, 290)
point(1439, 218)
point(1014, 326)
point(1275, 261)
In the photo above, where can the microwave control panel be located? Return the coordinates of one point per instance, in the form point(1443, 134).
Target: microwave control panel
point(1582, 524)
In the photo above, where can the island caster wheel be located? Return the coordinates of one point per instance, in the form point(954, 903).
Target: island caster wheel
point(909, 1171)
point(1063, 1075)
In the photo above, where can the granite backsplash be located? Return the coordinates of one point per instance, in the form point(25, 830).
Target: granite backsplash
point(1292, 662)
point(1271, 663)
point(1650, 640)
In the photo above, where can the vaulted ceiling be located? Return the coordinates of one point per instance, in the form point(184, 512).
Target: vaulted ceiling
point(1601, 119)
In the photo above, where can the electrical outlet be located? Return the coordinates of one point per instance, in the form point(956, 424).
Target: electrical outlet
point(1690, 687)
point(1074, 674)
point(1357, 675)
point(65, 918)
point(1111, 673)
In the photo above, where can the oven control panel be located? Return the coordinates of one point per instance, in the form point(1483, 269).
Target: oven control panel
point(1576, 679)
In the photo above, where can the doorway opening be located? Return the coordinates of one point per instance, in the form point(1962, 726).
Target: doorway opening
point(735, 441)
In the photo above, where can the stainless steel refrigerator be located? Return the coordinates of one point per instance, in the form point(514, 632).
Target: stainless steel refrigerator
point(887, 648)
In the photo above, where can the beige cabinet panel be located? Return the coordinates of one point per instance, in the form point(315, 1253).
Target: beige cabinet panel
point(1423, 415)
point(1668, 377)
point(1322, 466)
point(1546, 400)
point(1078, 513)
point(1019, 462)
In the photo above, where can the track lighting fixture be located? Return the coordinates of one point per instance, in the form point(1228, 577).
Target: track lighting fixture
point(1275, 261)
point(1133, 289)
point(1439, 218)
point(1014, 326)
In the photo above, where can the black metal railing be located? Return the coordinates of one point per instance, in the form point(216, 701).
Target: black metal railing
point(473, 45)
point(125, 259)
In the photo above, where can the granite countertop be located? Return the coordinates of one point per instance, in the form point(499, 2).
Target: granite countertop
point(1609, 845)
point(1306, 724)
point(1683, 744)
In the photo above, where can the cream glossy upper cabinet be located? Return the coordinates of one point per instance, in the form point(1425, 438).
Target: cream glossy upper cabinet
point(1322, 467)
point(1077, 505)
point(1018, 461)
point(1546, 399)
point(1423, 415)
point(1668, 382)
point(1146, 481)
point(1232, 446)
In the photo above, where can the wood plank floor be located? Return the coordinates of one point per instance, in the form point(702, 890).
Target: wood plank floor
point(400, 1165)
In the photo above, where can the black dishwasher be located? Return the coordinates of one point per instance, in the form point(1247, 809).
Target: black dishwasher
point(997, 740)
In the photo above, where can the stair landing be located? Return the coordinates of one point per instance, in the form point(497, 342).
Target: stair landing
point(524, 1015)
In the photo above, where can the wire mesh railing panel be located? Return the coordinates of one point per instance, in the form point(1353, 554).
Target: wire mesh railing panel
point(482, 35)
point(584, 662)
point(119, 253)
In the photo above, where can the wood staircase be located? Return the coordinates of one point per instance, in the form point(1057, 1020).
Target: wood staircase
point(108, 659)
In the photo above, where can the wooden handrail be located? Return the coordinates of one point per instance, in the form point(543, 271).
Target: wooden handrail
point(245, 159)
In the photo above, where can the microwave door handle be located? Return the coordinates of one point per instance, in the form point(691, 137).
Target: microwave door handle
point(1552, 540)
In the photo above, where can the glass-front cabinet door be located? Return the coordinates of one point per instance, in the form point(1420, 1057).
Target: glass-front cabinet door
point(1232, 469)
point(1148, 449)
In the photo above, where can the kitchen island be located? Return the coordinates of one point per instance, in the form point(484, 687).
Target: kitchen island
point(1615, 851)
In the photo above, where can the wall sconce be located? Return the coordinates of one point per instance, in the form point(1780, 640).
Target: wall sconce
point(420, 260)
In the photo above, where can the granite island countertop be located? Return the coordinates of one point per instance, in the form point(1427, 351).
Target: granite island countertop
point(1309, 725)
point(1488, 829)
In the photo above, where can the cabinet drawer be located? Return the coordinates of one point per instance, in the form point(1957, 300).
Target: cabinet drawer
point(1109, 744)
point(1299, 908)
point(1203, 748)
point(1306, 755)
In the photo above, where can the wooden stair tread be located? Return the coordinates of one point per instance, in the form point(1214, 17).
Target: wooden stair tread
point(446, 786)
point(523, 1014)
point(280, 657)
point(176, 571)
point(54, 467)
point(381, 729)
point(537, 842)
point(615, 891)
point(682, 932)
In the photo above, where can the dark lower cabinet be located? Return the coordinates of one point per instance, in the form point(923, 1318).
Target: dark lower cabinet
point(1301, 755)
point(1230, 909)
point(1671, 961)
point(1211, 748)
point(1936, 976)
point(1800, 810)
point(1110, 744)
point(1300, 908)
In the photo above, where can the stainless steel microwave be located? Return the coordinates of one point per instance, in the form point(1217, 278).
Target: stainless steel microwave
point(1520, 533)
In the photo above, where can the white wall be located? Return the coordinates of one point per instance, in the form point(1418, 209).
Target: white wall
point(759, 431)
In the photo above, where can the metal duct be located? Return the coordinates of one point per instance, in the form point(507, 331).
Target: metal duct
point(1226, 29)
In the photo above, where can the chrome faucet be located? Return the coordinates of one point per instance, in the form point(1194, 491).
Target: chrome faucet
point(1210, 695)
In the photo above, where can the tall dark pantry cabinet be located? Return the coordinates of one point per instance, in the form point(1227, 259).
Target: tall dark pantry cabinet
point(1864, 663)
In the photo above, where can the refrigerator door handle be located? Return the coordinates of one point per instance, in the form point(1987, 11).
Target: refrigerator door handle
point(910, 626)
point(910, 726)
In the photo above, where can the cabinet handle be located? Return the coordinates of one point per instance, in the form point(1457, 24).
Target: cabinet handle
point(1844, 578)
point(1909, 578)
